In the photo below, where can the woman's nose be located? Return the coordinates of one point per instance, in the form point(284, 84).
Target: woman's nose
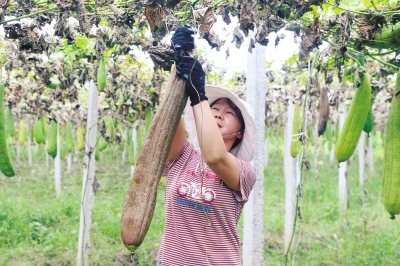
point(218, 116)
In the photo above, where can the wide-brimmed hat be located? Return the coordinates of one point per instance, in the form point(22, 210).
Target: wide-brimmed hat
point(245, 149)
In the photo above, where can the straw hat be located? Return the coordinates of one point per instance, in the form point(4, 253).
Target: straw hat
point(245, 149)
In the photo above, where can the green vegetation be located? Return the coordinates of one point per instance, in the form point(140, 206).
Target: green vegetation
point(36, 228)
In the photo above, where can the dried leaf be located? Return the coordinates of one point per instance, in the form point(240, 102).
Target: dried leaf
point(172, 3)
point(248, 15)
point(224, 12)
point(206, 18)
point(309, 40)
point(155, 16)
point(238, 37)
point(100, 46)
point(368, 25)
point(213, 40)
point(251, 46)
point(162, 55)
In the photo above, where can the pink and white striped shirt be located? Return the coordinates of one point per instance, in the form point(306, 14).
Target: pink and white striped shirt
point(188, 239)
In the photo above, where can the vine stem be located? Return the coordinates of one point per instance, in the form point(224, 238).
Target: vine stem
point(360, 53)
point(365, 13)
point(301, 158)
point(30, 15)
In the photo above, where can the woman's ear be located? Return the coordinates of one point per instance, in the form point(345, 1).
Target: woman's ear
point(240, 136)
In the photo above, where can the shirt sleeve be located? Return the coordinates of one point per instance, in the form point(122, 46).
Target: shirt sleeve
point(178, 160)
point(247, 180)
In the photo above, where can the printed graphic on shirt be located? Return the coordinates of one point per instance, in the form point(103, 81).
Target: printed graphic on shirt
point(206, 175)
point(190, 195)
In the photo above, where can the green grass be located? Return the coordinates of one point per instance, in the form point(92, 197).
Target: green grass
point(38, 228)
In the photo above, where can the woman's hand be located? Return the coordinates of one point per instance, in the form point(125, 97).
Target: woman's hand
point(183, 39)
point(182, 42)
point(191, 70)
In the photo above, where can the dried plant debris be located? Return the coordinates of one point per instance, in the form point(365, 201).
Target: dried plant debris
point(224, 11)
point(310, 39)
point(344, 22)
point(238, 37)
point(213, 40)
point(121, 35)
point(64, 4)
point(272, 24)
point(162, 55)
point(100, 46)
point(251, 46)
point(300, 7)
point(206, 19)
point(155, 16)
point(172, 3)
point(121, 17)
point(368, 25)
point(29, 38)
point(248, 15)
point(103, 2)
point(80, 12)
point(25, 4)
point(62, 27)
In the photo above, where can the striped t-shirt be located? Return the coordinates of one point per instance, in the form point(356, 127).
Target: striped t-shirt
point(188, 238)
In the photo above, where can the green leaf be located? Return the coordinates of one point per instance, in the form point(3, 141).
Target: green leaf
point(303, 81)
point(315, 11)
point(291, 60)
point(82, 42)
point(103, 22)
point(129, 60)
point(349, 78)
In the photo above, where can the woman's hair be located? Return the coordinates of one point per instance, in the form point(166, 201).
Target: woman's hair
point(238, 115)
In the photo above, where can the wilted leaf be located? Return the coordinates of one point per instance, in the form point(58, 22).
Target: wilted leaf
point(213, 39)
point(237, 38)
point(248, 15)
point(309, 40)
point(206, 18)
point(155, 16)
point(162, 55)
point(368, 25)
point(251, 46)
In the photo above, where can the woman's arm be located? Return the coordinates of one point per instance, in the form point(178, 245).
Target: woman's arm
point(178, 142)
point(213, 148)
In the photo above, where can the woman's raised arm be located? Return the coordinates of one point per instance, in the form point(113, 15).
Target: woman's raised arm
point(178, 142)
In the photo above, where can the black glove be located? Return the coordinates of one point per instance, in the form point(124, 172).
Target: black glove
point(182, 42)
point(195, 76)
point(183, 39)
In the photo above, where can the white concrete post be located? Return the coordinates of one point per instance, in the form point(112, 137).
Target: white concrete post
point(253, 237)
point(371, 155)
point(332, 153)
point(89, 180)
point(342, 171)
point(57, 164)
point(361, 158)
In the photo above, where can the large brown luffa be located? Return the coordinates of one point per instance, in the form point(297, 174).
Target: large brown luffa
point(140, 199)
point(323, 110)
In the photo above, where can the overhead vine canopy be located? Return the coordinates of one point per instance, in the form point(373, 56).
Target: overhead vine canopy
point(52, 48)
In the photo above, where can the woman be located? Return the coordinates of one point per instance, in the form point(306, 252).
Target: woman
point(206, 189)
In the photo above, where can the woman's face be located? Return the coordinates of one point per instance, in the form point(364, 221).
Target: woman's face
point(226, 119)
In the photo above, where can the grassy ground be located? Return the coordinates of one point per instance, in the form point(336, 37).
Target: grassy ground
point(37, 228)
